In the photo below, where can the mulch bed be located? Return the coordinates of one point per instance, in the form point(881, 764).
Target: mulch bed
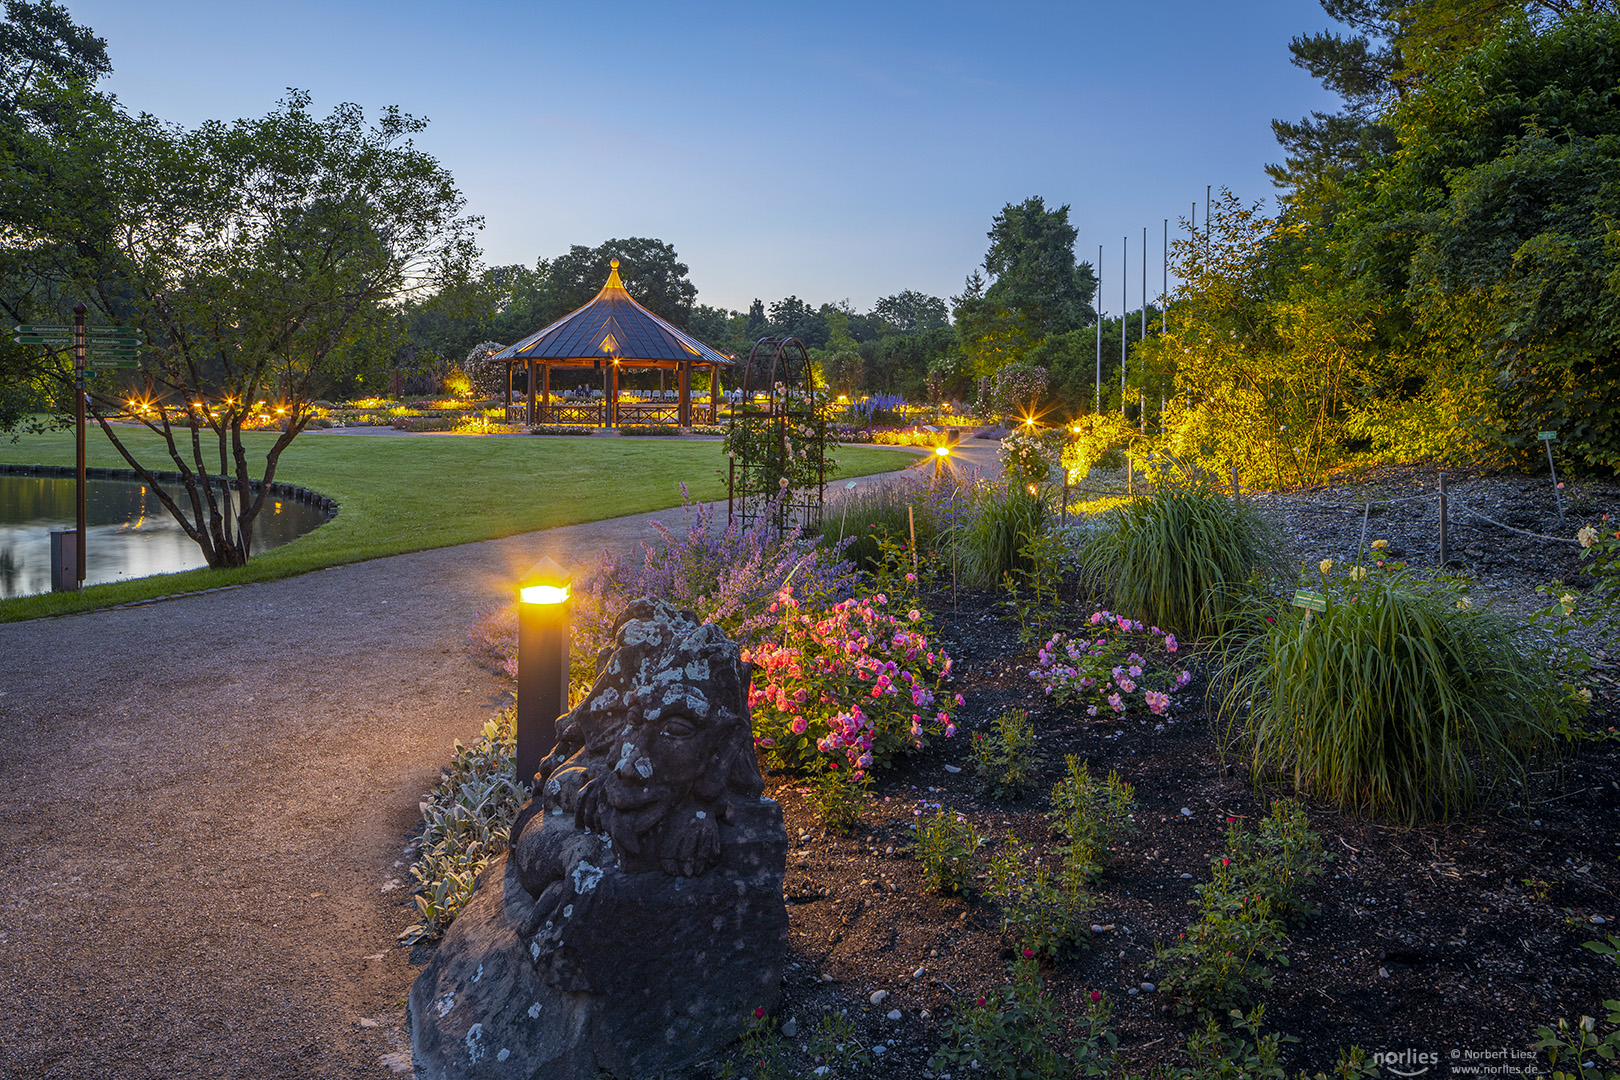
point(1457, 937)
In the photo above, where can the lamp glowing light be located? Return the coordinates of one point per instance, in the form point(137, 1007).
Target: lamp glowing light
point(942, 451)
point(542, 692)
point(543, 594)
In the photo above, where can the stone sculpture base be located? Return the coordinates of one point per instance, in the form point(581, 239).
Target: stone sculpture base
point(654, 973)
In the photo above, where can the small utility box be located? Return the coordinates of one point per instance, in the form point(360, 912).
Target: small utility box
point(64, 560)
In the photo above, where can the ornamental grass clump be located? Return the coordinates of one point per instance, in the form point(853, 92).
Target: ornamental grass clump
point(1185, 556)
point(864, 518)
point(1402, 700)
point(995, 528)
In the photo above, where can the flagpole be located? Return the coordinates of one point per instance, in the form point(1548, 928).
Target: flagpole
point(1099, 327)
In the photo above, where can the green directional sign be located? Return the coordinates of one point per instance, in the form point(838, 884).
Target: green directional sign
point(67, 328)
point(1310, 600)
point(97, 362)
point(35, 339)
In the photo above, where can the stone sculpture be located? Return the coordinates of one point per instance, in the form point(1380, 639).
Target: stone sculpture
point(638, 920)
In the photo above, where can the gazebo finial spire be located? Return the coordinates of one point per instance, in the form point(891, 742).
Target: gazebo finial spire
point(613, 281)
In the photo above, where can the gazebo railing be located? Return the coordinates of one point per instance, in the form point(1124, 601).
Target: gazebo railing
point(595, 414)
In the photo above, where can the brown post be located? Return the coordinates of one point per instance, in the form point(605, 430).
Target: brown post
point(79, 388)
point(509, 391)
point(714, 394)
point(685, 392)
point(545, 387)
point(528, 371)
point(613, 400)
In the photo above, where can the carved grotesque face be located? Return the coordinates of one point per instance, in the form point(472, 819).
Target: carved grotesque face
point(662, 741)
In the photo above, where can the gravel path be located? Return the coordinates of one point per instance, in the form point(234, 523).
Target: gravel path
point(206, 802)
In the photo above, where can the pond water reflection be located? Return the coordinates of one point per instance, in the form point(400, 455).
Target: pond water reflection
point(130, 533)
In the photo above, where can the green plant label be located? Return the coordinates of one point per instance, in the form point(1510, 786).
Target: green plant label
point(1310, 601)
point(1547, 436)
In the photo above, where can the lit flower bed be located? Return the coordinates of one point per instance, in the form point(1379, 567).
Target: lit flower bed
point(1114, 670)
point(857, 682)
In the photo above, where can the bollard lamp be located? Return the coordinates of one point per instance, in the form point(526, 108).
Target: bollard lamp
point(542, 694)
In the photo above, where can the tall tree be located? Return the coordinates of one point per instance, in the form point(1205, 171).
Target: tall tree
point(254, 257)
point(1496, 220)
point(910, 311)
point(1031, 260)
point(53, 128)
point(793, 317)
point(990, 333)
point(650, 269)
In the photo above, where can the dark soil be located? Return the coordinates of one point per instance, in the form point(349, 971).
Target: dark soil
point(1460, 937)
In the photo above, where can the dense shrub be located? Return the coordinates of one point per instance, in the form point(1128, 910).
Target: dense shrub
point(1181, 557)
point(561, 429)
point(1399, 700)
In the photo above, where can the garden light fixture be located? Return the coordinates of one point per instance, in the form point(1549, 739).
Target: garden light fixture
point(542, 693)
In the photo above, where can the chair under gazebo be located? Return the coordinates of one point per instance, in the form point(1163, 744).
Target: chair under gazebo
point(612, 334)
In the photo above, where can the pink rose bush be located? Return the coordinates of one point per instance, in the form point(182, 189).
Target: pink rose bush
point(1102, 668)
point(853, 683)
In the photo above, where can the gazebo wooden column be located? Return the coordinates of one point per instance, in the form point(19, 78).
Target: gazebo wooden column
point(528, 371)
point(508, 413)
point(714, 393)
point(546, 390)
point(685, 393)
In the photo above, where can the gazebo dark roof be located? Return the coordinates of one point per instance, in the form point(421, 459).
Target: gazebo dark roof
point(613, 326)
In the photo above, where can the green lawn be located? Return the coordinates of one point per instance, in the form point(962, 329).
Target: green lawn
point(402, 494)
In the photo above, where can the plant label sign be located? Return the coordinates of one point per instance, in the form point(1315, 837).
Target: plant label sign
point(1310, 601)
point(1547, 436)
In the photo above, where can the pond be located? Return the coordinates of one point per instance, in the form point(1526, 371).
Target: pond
point(130, 533)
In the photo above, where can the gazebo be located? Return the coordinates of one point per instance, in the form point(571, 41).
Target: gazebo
point(611, 334)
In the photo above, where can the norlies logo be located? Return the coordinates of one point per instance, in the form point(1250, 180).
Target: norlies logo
point(1407, 1062)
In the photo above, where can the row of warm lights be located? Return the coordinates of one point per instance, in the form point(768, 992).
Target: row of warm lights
point(142, 405)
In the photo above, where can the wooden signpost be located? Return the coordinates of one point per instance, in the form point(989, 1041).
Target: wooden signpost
point(93, 347)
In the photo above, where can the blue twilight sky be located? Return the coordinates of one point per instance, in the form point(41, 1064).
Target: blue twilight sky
point(831, 150)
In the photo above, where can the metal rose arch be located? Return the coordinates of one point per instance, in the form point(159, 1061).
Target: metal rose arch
point(777, 441)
